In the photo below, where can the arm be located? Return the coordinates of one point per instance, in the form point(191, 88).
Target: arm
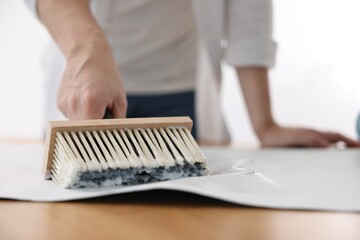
point(91, 82)
point(255, 87)
point(251, 50)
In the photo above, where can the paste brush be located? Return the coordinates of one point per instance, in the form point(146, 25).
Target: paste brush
point(117, 152)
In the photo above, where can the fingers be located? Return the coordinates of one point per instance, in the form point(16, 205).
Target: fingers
point(95, 109)
point(119, 107)
point(293, 137)
point(91, 87)
point(311, 138)
point(301, 137)
point(337, 137)
point(91, 105)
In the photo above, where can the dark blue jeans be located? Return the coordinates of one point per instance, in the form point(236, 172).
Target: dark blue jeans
point(163, 105)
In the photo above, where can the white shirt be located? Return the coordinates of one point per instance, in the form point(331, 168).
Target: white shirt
point(152, 55)
point(154, 43)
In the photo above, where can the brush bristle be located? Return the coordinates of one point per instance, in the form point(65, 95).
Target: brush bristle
point(125, 157)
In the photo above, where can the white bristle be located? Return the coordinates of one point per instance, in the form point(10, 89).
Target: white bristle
point(84, 154)
point(97, 151)
point(179, 159)
point(192, 145)
point(94, 164)
point(133, 158)
point(168, 159)
point(154, 147)
point(179, 143)
point(119, 155)
point(79, 152)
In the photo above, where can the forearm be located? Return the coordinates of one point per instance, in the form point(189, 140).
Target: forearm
point(255, 87)
point(73, 27)
point(91, 82)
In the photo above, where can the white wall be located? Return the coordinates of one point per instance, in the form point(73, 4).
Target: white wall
point(21, 45)
point(316, 81)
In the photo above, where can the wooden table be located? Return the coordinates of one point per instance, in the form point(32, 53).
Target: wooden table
point(167, 215)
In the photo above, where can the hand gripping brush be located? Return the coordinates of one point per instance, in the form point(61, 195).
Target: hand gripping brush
point(116, 152)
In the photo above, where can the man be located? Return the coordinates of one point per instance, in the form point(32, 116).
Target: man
point(140, 58)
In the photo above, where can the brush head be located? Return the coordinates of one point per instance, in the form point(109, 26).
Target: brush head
point(95, 153)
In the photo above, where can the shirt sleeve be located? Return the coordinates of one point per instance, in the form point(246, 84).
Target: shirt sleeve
point(248, 31)
point(31, 4)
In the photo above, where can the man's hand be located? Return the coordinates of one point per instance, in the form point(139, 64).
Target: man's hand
point(255, 87)
point(90, 85)
point(91, 82)
point(276, 136)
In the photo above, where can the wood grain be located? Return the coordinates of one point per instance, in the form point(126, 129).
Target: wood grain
point(157, 215)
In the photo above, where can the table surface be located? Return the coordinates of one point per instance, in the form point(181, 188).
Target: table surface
point(167, 215)
point(171, 215)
